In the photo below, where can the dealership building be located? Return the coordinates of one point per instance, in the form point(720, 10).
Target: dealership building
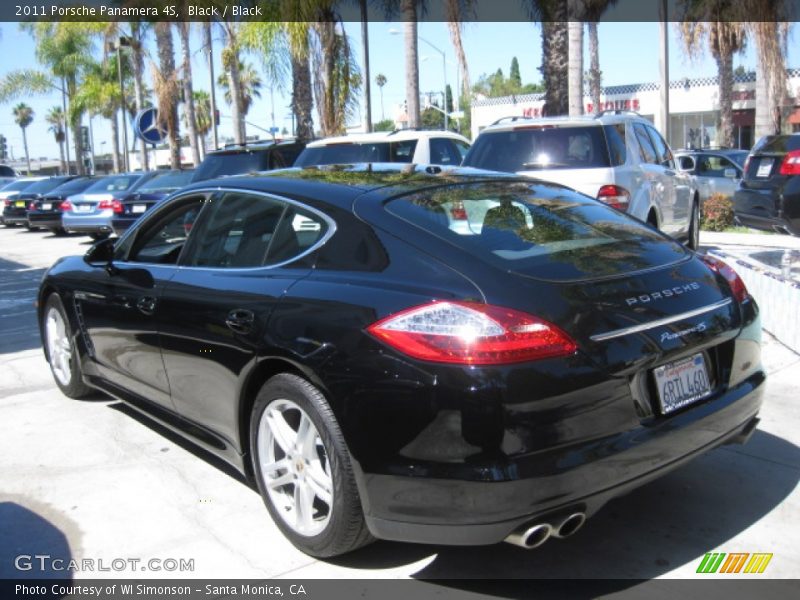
point(693, 104)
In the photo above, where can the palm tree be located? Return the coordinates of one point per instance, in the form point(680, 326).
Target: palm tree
point(575, 66)
point(249, 87)
point(188, 95)
point(553, 16)
point(456, 12)
point(98, 94)
point(63, 48)
point(380, 81)
point(593, 10)
point(202, 115)
point(409, 11)
point(23, 116)
point(167, 88)
point(231, 63)
point(702, 22)
point(57, 119)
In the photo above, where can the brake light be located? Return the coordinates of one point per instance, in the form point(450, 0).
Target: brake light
point(615, 196)
point(458, 212)
point(65, 206)
point(116, 205)
point(32, 206)
point(469, 333)
point(791, 163)
point(7, 203)
point(738, 287)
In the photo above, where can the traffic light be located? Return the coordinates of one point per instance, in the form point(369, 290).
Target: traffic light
point(3, 148)
point(85, 137)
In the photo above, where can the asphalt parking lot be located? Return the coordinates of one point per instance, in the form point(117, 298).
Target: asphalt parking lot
point(93, 480)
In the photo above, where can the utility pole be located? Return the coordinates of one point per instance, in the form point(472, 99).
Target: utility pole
point(663, 120)
point(123, 41)
point(367, 82)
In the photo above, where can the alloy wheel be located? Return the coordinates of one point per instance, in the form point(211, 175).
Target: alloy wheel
point(59, 348)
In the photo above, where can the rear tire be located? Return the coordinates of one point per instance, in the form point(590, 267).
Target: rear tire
point(61, 351)
point(303, 469)
point(694, 227)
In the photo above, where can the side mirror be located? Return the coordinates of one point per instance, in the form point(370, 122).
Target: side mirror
point(686, 164)
point(101, 252)
point(730, 173)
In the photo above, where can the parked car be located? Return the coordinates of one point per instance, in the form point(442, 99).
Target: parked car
point(249, 158)
point(6, 171)
point(382, 374)
point(716, 171)
point(16, 214)
point(617, 157)
point(91, 211)
point(405, 146)
point(9, 196)
point(46, 211)
point(768, 197)
point(147, 196)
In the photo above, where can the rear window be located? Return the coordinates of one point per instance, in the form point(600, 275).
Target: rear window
point(74, 186)
point(231, 163)
point(349, 153)
point(168, 181)
point(545, 232)
point(45, 185)
point(18, 186)
point(779, 144)
point(540, 147)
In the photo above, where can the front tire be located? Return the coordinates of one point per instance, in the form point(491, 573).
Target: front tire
point(303, 469)
point(61, 352)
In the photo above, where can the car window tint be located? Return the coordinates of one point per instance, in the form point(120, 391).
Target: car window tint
point(162, 238)
point(350, 152)
point(297, 231)
point(540, 147)
point(112, 184)
point(169, 180)
point(615, 136)
point(231, 163)
point(663, 153)
point(444, 152)
point(646, 149)
point(462, 148)
point(237, 232)
point(538, 230)
point(714, 166)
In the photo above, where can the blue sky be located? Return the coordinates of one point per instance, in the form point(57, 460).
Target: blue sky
point(628, 54)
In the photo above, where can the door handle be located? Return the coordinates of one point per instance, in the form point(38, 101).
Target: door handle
point(240, 320)
point(146, 305)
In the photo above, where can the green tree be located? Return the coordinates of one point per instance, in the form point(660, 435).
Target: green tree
point(189, 117)
point(432, 119)
point(249, 87)
point(98, 94)
point(23, 116)
point(202, 114)
point(514, 76)
point(57, 119)
point(380, 81)
point(167, 88)
point(384, 125)
point(553, 15)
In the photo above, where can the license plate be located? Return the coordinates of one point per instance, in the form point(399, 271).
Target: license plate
point(138, 208)
point(682, 382)
point(764, 167)
point(82, 208)
point(19, 204)
point(47, 206)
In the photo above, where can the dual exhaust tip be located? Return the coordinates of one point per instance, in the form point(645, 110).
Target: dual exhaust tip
point(533, 535)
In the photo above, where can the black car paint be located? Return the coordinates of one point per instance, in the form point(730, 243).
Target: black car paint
point(51, 218)
point(18, 215)
point(442, 453)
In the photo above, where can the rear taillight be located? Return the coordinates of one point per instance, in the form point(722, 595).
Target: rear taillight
point(116, 205)
point(791, 163)
point(738, 289)
point(32, 206)
point(615, 196)
point(7, 203)
point(458, 212)
point(65, 206)
point(469, 333)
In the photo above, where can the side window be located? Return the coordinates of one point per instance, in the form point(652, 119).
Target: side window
point(162, 240)
point(663, 153)
point(646, 149)
point(462, 148)
point(714, 166)
point(403, 152)
point(686, 163)
point(444, 152)
point(246, 230)
point(615, 136)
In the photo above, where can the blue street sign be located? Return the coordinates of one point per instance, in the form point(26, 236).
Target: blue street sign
point(274, 130)
point(146, 126)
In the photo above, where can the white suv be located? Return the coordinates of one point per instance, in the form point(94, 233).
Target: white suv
point(617, 157)
point(403, 146)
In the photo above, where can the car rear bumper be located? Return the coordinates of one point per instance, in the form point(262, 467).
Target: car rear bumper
point(768, 209)
point(559, 482)
point(48, 220)
point(88, 224)
point(15, 219)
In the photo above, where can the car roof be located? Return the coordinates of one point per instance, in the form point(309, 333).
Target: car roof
point(349, 181)
point(511, 123)
point(399, 135)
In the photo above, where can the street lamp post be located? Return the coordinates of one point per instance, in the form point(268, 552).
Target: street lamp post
point(444, 69)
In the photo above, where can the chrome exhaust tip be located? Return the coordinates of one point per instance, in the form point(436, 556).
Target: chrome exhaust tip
point(530, 536)
point(570, 525)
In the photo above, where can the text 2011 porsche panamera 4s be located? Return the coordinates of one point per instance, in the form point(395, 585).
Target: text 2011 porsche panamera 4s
point(425, 355)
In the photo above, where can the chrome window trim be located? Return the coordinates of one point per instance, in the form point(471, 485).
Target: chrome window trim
point(209, 192)
point(602, 337)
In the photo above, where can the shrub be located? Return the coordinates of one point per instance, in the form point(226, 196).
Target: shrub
point(717, 213)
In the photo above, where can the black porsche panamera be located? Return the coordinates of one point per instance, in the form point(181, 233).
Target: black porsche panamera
point(414, 354)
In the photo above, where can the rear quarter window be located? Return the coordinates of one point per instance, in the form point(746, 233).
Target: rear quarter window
point(617, 147)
